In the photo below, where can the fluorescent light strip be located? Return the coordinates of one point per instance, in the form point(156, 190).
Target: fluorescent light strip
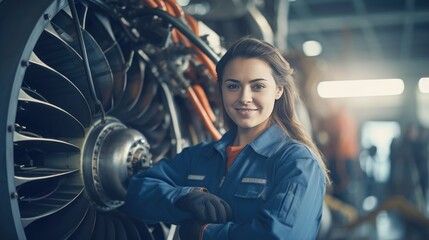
point(424, 85)
point(360, 88)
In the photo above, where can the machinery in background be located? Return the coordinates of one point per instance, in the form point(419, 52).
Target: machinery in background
point(93, 92)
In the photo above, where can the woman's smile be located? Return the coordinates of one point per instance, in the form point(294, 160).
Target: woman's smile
point(246, 112)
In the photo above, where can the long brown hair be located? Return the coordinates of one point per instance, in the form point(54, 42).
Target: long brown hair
point(284, 113)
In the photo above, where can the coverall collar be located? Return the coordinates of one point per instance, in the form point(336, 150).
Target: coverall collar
point(265, 144)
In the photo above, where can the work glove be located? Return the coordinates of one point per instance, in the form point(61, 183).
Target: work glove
point(191, 230)
point(205, 207)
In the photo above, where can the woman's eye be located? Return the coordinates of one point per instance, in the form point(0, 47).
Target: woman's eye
point(232, 86)
point(258, 86)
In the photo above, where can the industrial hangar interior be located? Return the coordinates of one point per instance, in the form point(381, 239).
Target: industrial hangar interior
point(85, 80)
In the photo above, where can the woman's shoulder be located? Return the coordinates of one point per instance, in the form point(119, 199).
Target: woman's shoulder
point(296, 159)
point(295, 150)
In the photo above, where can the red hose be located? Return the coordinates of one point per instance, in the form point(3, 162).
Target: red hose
point(203, 114)
point(199, 91)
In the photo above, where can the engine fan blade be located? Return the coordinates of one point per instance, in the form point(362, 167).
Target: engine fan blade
point(46, 119)
point(110, 227)
point(120, 233)
point(100, 69)
point(99, 228)
point(101, 29)
point(130, 228)
point(150, 89)
point(158, 135)
point(134, 86)
point(25, 175)
point(44, 145)
point(86, 227)
point(59, 55)
point(57, 89)
point(37, 203)
point(153, 116)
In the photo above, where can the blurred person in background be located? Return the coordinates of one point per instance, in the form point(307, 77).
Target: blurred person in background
point(409, 165)
point(342, 149)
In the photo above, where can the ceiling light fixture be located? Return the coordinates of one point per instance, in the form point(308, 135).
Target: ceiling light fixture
point(183, 3)
point(312, 48)
point(424, 85)
point(360, 88)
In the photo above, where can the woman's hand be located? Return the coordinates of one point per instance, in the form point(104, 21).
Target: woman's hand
point(206, 207)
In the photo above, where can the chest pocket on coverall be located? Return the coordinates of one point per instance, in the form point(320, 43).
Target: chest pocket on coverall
point(248, 199)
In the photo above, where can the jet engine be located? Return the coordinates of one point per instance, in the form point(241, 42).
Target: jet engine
point(92, 92)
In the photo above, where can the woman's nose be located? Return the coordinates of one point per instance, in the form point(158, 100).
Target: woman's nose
point(245, 96)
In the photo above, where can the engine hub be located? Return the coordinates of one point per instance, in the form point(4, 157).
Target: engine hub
point(112, 154)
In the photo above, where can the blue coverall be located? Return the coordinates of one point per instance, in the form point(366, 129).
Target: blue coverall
point(275, 188)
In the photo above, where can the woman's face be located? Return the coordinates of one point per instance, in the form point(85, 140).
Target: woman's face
point(249, 92)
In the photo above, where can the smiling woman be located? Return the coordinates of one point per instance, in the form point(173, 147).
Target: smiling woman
point(249, 92)
point(264, 179)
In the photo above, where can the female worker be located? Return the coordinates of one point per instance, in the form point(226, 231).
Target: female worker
point(264, 179)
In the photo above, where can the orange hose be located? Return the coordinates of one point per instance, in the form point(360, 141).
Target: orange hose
point(193, 23)
point(175, 10)
point(203, 114)
point(203, 58)
point(151, 3)
point(196, 94)
point(209, 63)
point(199, 91)
point(178, 11)
point(174, 32)
point(161, 4)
